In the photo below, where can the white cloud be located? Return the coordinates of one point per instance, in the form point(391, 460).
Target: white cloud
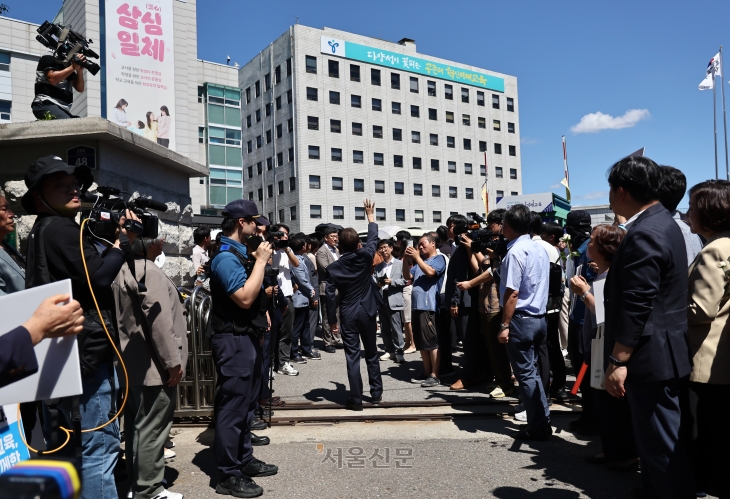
point(595, 195)
point(555, 186)
point(528, 141)
point(595, 122)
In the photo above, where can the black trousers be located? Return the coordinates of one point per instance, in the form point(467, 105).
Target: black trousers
point(543, 366)
point(617, 431)
point(555, 355)
point(285, 331)
point(443, 332)
point(58, 113)
point(477, 365)
point(576, 355)
point(498, 360)
point(352, 332)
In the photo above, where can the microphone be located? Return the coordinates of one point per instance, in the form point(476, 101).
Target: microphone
point(149, 203)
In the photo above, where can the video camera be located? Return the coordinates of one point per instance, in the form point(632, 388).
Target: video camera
point(67, 44)
point(104, 216)
point(481, 239)
point(279, 243)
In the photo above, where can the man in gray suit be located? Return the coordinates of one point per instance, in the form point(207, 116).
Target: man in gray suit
point(325, 256)
point(389, 278)
point(12, 265)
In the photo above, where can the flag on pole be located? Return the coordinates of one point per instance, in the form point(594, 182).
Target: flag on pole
point(714, 68)
point(566, 180)
point(485, 198)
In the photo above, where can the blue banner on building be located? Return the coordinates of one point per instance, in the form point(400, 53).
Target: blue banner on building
point(12, 448)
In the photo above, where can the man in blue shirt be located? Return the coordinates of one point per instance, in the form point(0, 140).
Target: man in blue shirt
point(427, 275)
point(239, 320)
point(523, 292)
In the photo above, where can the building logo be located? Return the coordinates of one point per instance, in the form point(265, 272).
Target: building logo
point(332, 46)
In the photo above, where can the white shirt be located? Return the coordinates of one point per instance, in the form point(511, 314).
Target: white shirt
point(632, 219)
point(388, 271)
point(199, 257)
point(333, 251)
point(552, 251)
point(281, 259)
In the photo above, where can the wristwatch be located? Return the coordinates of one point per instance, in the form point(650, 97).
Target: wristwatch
point(583, 296)
point(502, 327)
point(613, 360)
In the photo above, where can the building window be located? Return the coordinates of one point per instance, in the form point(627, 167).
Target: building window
point(290, 125)
point(400, 215)
point(435, 165)
point(416, 163)
point(395, 107)
point(258, 115)
point(510, 127)
point(250, 195)
point(260, 194)
point(514, 193)
point(338, 212)
point(497, 148)
point(418, 216)
point(482, 123)
point(314, 182)
point(512, 150)
point(288, 66)
point(498, 172)
point(395, 81)
point(355, 101)
point(480, 98)
point(357, 157)
point(280, 186)
point(436, 191)
point(359, 213)
point(336, 154)
point(377, 105)
point(450, 142)
point(467, 168)
point(510, 104)
point(277, 75)
point(431, 86)
point(449, 92)
point(259, 168)
point(311, 63)
point(375, 77)
point(377, 132)
point(483, 170)
point(469, 193)
point(433, 139)
point(336, 183)
point(357, 128)
point(496, 125)
point(311, 93)
point(465, 95)
point(248, 95)
point(335, 126)
point(267, 82)
point(466, 120)
point(334, 68)
point(415, 113)
point(289, 96)
point(248, 121)
point(399, 188)
point(380, 186)
point(279, 159)
point(292, 183)
point(437, 217)
point(416, 137)
point(5, 109)
point(495, 101)
point(397, 134)
point(482, 146)
point(270, 191)
point(259, 143)
point(452, 166)
point(417, 190)
point(312, 123)
point(250, 171)
point(281, 216)
point(359, 185)
point(291, 154)
point(449, 116)
point(398, 161)
point(315, 211)
point(257, 88)
point(293, 213)
point(414, 85)
point(354, 72)
point(513, 173)
point(453, 192)
point(378, 159)
point(500, 194)
point(380, 214)
point(334, 97)
point(279, 131)
point(313, 152)
point(432, 115)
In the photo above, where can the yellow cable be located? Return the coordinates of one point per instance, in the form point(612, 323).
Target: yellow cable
point(119, 355)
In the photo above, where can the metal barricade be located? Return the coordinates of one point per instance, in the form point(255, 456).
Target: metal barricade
point(196, 392)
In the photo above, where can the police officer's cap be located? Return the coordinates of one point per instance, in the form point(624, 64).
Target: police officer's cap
point(242, 208)
point(47, 166)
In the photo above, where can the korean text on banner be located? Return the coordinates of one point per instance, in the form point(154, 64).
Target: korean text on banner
point(12, 448)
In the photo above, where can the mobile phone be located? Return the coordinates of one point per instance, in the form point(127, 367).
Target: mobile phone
point(409, 243)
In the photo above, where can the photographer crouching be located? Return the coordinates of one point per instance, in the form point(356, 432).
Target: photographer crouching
point(239, 320)
point(54, 85)
point(54, 254)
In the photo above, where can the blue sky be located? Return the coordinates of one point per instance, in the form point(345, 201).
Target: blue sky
point(571, 58)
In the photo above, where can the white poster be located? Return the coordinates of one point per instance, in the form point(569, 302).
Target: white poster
point(140, 68)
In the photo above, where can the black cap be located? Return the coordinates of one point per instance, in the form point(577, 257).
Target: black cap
point(579, 219)
point(242, 208)
point(47, 166)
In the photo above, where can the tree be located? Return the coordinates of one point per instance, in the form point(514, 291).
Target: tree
point(4, 9)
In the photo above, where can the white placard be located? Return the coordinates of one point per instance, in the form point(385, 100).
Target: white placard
point(598, 298)
point(59, 367)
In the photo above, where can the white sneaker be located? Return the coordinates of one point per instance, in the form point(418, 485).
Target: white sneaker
point(169, 453)
point(288, 370)
point(497, 393)
point(521, 416)
point(167, 494)
point(385, 356)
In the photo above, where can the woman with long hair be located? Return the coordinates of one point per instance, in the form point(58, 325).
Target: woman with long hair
point(151, 130)
point(119, 115)
point(164, 123)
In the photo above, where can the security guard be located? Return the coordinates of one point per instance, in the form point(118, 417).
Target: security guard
point(239, 322)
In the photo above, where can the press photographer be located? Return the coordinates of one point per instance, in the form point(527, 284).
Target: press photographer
point(54, 253)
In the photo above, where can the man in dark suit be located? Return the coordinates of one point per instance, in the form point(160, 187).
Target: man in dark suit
point(360, 299)
point(646, 325)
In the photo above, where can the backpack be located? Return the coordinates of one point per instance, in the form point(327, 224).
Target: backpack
point(556, 286)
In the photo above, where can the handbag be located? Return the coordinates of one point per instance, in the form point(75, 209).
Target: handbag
point(598, 374)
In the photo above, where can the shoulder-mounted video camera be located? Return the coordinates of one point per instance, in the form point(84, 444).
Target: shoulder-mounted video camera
point(482, 239)
point(67, 44)
point(109, 208)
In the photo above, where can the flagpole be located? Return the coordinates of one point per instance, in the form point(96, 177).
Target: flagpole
point(714, 116)
point(724, 118)
point(486, 185)
point(565, 168)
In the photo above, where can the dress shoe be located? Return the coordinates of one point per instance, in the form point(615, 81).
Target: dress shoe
point(259, 468)
point(410, 350)
point(256, 440)
point(353, 406)
point(329, 349)
point(561, 394)
point(299, 360)
point(238, 486)
point(596, 459)
point(275, 402)
point(377, 400)
point(339, 345)
point(536, 434)
point(257, 424)
point(399, 358)
point(264, 414)
point(312, 356)
point(459, 385)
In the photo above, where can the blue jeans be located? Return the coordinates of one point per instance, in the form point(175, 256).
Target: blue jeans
point(526, 333)
point(100, 449)
point(301, 341)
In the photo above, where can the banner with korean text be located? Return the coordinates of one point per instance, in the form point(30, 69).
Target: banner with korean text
point(140, 68)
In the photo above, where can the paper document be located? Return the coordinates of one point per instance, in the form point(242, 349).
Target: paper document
point(598, 296)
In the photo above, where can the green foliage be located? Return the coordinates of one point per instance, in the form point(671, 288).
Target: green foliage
point(47, 116)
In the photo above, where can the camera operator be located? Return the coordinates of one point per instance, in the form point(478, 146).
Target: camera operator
point(54, 254)
point(284, 258)
point(54, 84)
point(200, 256)
point(239, 320)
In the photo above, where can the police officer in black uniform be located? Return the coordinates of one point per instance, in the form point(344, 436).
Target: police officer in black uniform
point(239, 322)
